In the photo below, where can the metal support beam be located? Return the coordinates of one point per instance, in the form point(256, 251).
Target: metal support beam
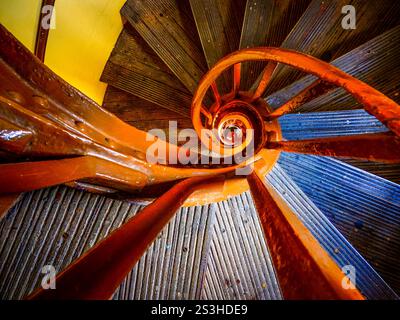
point(380, 147)
point(236, 78)
point(383, 108)
point(28, 176)
point(264, 80)
point(304, 269)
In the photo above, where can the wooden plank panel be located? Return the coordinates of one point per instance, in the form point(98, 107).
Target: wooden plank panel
point(135, 68)
point(143, 114)
point(57, 225)
point(219, 25)
point(267, 23)
point(168, 28)
point(319, 33)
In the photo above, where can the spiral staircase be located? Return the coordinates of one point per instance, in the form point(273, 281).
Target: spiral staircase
point(322, 192)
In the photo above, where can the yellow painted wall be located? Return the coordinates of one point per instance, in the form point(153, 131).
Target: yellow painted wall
point(79, 46)
point(21, 18)
point(86, 32)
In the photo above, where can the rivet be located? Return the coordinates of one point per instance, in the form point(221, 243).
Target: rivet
point(16, 97)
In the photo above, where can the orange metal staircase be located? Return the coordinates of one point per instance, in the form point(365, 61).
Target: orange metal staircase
point(52, 134)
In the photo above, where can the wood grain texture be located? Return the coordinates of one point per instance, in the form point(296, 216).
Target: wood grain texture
point(143, 114)
point(267, 23)
point(239, 265)
point(168, 28)
point(304, 269)
point(377, 65)
point(135, 68)
point(319, 33)
point(219, 26)
point(57, 225)
point(113, 258)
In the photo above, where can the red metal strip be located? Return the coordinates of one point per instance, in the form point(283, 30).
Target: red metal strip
point(304, 268)
point(265, 79)
point(380, 147)
point(236, 78)
point(42, 33)
point(376, 103)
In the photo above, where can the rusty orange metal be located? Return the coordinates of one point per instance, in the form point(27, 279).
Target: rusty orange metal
point(304, 269)
point(52, 127)
point(52, 140)
point(50, 118)
point(264, 80)
point(236, 78)
point(380, 147)
point(376, 103)
point(27, 176)
point(43, 106)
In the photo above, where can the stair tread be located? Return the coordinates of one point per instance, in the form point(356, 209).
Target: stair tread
point(142, 114)
point(135, 68)
point(365, 208)
point(239, 265)
point(219, 26)
point(375, 62)
point(319, 33)
point(168, 28)
point(267, 23)
point(339, 123)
